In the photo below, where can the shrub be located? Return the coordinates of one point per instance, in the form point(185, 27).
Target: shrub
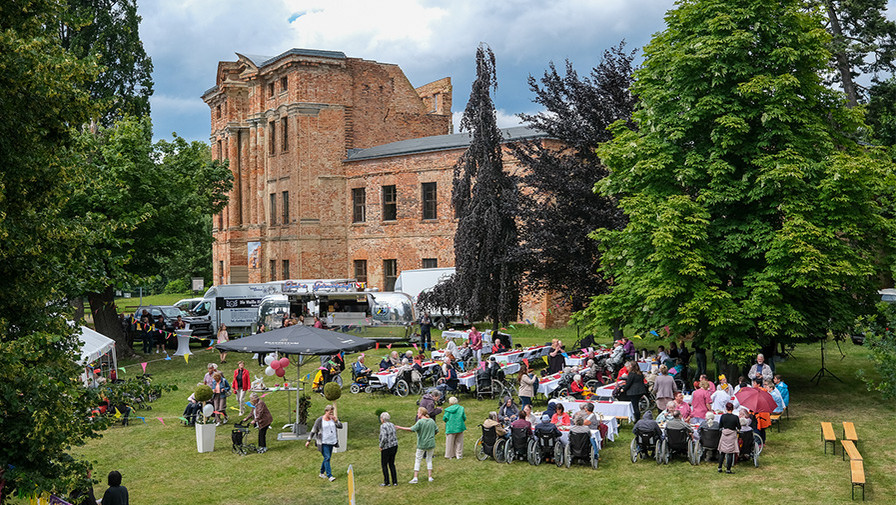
point(332, 391)
point(177, 286)
point(202, 393)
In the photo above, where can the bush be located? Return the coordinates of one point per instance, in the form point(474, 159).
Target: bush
point(332, 391)
point(177, 286)
point(203, 393)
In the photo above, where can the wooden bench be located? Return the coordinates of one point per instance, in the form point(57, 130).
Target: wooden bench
point(776, 419)
point(849, 432)
point(857, 477)
point(827, 434)
point(849, 449)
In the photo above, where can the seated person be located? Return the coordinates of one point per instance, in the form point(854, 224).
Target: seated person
point(579, 427)
point(666, 415)
point(498, 346)
point(709, 424)
point(682, 407)
point(782, 388)
point(527, 414)
point(546, 427)
point(724, 386)
point(394, 359)
point(509, 412)
point(450, 346)
point(385, 363)
point(494, 369)
point(776, 395)
point(193, 407)
point(523, 422)
point(429, 402)
point(577, 387)
point(677, 423)
point(359, 368)
point(560, 418)
point(719, 399)
point(449, 382)
point(647, 426)
point(712, 387)
point(552, 404)
point(492, 422)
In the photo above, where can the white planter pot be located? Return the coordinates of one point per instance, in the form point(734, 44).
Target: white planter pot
point(205, 437)
point(342, 436)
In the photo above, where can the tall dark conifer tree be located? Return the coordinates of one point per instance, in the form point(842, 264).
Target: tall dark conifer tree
point(562, 208)
point(485, 202)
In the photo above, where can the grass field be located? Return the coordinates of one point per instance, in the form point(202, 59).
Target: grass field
point(122, 304)
point(160, 464)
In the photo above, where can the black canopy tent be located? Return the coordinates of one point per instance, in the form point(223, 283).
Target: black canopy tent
point(300, 341)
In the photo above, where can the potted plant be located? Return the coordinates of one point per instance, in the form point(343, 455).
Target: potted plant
point(205, 430)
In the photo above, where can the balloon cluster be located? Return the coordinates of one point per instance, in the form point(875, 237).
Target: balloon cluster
point(276, 366)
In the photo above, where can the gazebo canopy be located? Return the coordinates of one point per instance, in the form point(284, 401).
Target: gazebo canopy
point(298, 339)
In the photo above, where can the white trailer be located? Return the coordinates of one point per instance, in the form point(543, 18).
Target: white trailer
point(421, 280)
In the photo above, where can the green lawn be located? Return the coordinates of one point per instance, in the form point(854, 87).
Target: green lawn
point(160, 464)
point(122, 304)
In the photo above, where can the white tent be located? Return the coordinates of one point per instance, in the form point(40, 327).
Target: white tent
point(95, 345)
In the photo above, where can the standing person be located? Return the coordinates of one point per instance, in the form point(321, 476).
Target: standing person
point(761, 371)
point(527, 385)
point(126, 327)
point(730, 425)
point(116, 494)
point(261, 418)
point(209, 379)
point(160, 334)
point(426, 430)
point(450, 347)
point(241, 383)
point(388, 448)
point(664, 387)
point(476, 344)
point(223, 337)
point(221, 389)
point(634, 388)
point(324, 435)
point(426, 331)
point(146, 332)
point(455, 426)
point(556, 361)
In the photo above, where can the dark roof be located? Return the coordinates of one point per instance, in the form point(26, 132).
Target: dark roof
point(209, 91)
point(262, 61)
point(438, 143)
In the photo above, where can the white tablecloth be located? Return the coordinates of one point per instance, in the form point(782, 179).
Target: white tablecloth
point(528, 353)
point(575, 360)
point(469, 378)
point(183, 343)
point(564, 436)
point(549, 383)
point(609, 410)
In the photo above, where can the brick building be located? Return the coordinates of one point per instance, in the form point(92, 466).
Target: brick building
point(341, 169)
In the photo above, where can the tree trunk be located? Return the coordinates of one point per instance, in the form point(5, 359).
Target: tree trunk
point(843, 65)
point(105, 318)
point(78, 305)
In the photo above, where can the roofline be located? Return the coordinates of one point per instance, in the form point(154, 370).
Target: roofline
point(534, 135)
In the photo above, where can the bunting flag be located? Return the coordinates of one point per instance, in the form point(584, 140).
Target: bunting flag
point(249, 404)
point(184, 419)
point(389, 346)
point(462, 367)
point(528, 322)
point(526, 361)
point(161, 421)
point(639, 337)
point(117, 413)
point(550, 311)
point(415, 347)
point(122, 369)
point(168, 358)
point(219, 413)
point(262, 396)
point(144, 366)
point(545, 358)
point(564, 354)
point(654, 333)
point(377, 345)
point(234, 408)
point(512, 326)
point(187, 358)
point(668, 331)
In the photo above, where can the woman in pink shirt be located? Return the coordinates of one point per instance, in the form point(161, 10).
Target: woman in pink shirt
point(683, 407)
point(701, 402)
point(476, 343)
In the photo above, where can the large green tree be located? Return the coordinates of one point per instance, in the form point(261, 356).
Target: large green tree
point(109, 32)
point(486, 245)
point(753, 215)
point(145, 204)
point(43, 98)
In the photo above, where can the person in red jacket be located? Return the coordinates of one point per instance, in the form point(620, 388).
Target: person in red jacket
point(241, 383)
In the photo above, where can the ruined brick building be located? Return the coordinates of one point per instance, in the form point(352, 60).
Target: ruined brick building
point(342, 169)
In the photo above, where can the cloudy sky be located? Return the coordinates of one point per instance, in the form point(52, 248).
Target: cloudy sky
point(428, 39)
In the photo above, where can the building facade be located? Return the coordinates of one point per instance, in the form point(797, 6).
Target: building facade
point(342, 169)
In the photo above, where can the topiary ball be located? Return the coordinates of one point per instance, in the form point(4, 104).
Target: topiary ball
point(203, 393)
point(332, 391)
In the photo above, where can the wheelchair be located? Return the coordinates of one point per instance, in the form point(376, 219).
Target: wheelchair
point(521, 446)
point(237, 435)
point(488, 386)
point(490, 444)
point(547, 447)
point(359, 382)
point(644, 446)
point(580, 448)
point(677, 441)
point(750, 450)
point(708, 445)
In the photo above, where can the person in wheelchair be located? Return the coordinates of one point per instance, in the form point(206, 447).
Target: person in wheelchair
point(578, 434)
point(547, 436)
point(509, 412)
point(647, 427)
point(546, 428)
point(449, 381)
point(577, 387)
point(360, 372)
point(492, 422)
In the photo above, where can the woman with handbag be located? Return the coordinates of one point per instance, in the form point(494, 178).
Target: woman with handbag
point(221, 389)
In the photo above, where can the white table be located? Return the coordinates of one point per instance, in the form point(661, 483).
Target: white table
point(575, 360)
point(517, 356)
point(564, 435)
point(183, 343)
point(469, 378)
point(606, 410)
point(549, 383)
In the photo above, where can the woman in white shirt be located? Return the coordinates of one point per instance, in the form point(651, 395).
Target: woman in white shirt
point(324, 435)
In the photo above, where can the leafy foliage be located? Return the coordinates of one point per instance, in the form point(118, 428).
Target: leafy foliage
point(880, 335)
point(442, 296)
point(882, 112)
point(203, 393)
point(485, 201)
point(43, 406)
point(136, 392)
point(562, 206)
point(108, 31)
point(753, 217)
point(332, 391)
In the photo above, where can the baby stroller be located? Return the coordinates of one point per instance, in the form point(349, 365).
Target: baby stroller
point(522, 445)
point(489, 444)
point(237, 435)
point(580, 448)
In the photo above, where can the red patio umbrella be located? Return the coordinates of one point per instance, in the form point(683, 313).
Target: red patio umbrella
point(756, 399)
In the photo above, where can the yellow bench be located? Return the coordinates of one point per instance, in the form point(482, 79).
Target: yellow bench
point(849, 449)
point(857, 477)
point(827, 434)
point(849, 432)
point(776, 418)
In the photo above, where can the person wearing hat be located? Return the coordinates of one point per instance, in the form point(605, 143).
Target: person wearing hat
point(546, 427)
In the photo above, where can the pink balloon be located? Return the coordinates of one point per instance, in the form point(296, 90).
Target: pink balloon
point(284, 362)
point(280, 372)
point(275, 364)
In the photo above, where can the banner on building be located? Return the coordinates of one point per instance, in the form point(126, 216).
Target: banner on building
point(254, 254)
